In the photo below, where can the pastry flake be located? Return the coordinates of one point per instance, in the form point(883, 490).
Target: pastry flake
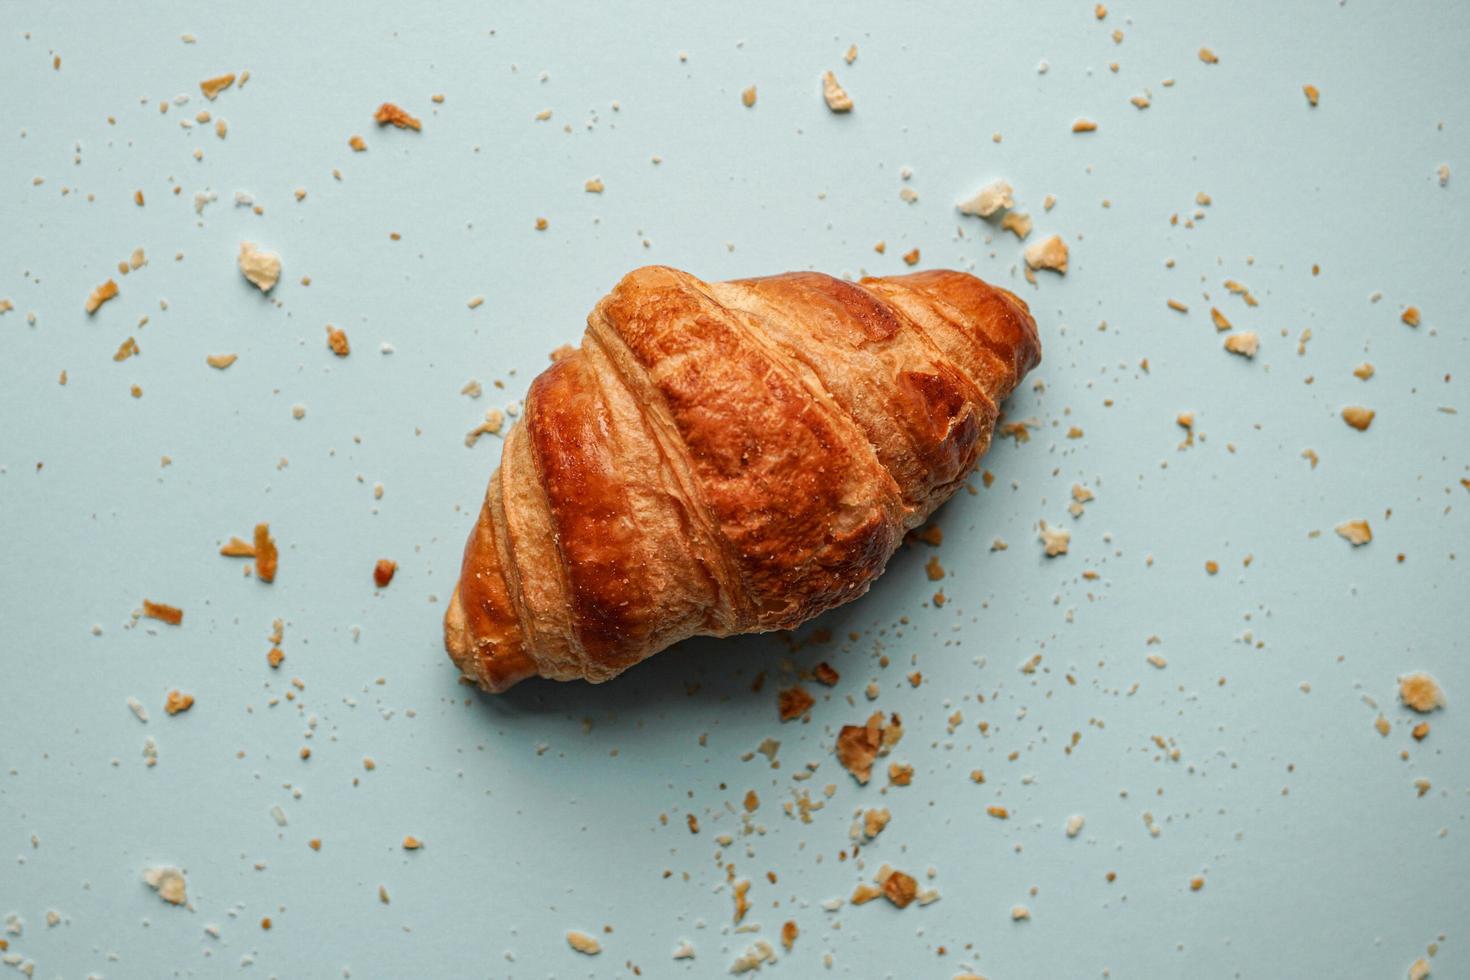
point(836, 96)
point(261, 268)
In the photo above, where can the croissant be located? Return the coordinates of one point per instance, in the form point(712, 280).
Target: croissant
point(729, 457)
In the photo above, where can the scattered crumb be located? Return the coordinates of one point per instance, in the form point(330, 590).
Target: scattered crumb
point(168, 882)
point(1410, 315)
point(1356, 532)
point(1208, 56)
point(475, 302)
point(1358, 417)
point(1049, 254)
point(263, 269)
point(388, 113)
point(265, 554)
point(789, 932)
point(1419, 969)
point(594, 186)
point(163, 613)
point(900, 889)
point(794, 702)
point(337, 341)
point(583, 943)
point(1421, 692)
point(1312, 94)
point(1363, 371)
point(825, 673)
point(874, 821)
point(1056, 540)
point(837, 98)
point(859, 745)
point(911, 257)
point(383, 572)
point(412, 843)
point(212, 87)
point(1020, 913)
point(1017, 223)
point(177, 703)
point(1084, 126)
point(747, 98)
point(1075, 823)
point(991, 198)
point(100, 295)
point(1245, 343)
point(357, 143)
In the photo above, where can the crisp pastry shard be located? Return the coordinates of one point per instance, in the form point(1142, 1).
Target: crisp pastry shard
point(722, 458)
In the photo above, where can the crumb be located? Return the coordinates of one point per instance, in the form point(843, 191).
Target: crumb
point(388, 113)
point(163, 613)
point(1075, 823)
point(1420, 731)
point(851, 54)
point(265, 554)
point(1358, 417)
point(998, 812)
point(789, 932)
point(1020, 913)
point(900, 889)
point(1355, 532)
point(136, 707)
point(383, 895)
point(337, 341)
point(1017, 224)
point(263, 269)
point(475, 302)
point(1084, 126)
point(1196, 883)
point(837, 98)
point(1212, 568)
point(824, 673)
point(212, 87)
point(1363, 371)
point(357, 143)
point(168, 882)
point(911, 257)
point(583, 943)
point(1421, 692)
point(1219, 319)
point(747, 98)
point(874, 821)
point(1245, 343)
point(1056, 540)
point(383, 572)
point(993, 197)
point(1312, 94)
point(412, 843)
point(594, 186)
point(859, 745)
point(1208, 56)
point(793, 703)
point(100, 295)
point(1382, 726)
point(1049, 254)
point(235, 548)
point(542, 224)
point(177, 703)
point(1419, 969)
point(900, 773)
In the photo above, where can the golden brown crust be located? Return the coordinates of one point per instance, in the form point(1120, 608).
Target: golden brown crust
point(722, 458)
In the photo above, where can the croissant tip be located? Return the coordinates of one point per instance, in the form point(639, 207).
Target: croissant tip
point(493, 671)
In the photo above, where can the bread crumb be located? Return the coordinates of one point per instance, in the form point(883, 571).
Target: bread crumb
point(998, 812)
point(793, 702)
point(177, 703)
point(388, 113)
point(337, 341)
point(789, 932)
point(851, 54)
point(1176, 306)
point(1020, 913)
point(1358, 417)
point(100, 295)
point(357, 143)
point(261, 268)
point(1017, 224)
point(168, 882)
point(900, 889)
point(1056, 540)
point(1084, 126)
point(1419, 969)
point(994, 196)
point(859, 745)
point(825, 673)
point(1208, 56)
point(163, 613)
point(594, 186)
point(747, 98)
point(412, 843)
point(1075, 823)
point(1421, 692)
point(1245, 343)
point(1312, 94)
point(1382, 726)
point(874, 821)
point(265, 554)
point(583, 943)
point(1196, 883)
point(212, 87)
point(1049, 254)
point(1363, 371)
point(383, 572)
point(1410, 316)
point(837, 98)
point(221, 361)
point(1356, 532)
point(1219, 319)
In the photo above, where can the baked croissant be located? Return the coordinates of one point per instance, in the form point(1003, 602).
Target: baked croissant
point(729, 457)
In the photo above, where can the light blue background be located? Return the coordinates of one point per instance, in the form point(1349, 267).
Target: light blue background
point(541, 810)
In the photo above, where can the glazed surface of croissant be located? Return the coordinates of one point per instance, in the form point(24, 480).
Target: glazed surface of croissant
point(721, 458)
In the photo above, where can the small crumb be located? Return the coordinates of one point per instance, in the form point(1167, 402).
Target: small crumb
point(100, 295)
point(789, 932)
point(163, 613)
point(993, 197)
point(900, 889)
point(168, 882)
point(357, 143)
point(911, 257)
point(1020, 913)
point(1219, 319)
point(1075, 823)
point(1246, 343)
point(1421, 692)
point(1017, 224)
point(412, 843)
point(594, 186)
point(1363, 371)
point(475, 302)
point(212, 87)
point(383, 572)
point(824, 673)
point(337, 341)
point(383, 895)
point(1312, 94)
point(998, 812)
point(261, 268)
point(837, 98)
point(1196, 883)
point(390, 114)
point(1419, 969)
point(851, 54)
point(747, 98)
point(1049, 254)
point(1056, 540)
point(1410, 316)
point(1382, 726)
point(1355, 532)
point(583, 943)
point(1212, 568)
point(265, 554)
point(1208, 56)
point(1358, 417)
point(1420, 731)
point(1084, 126)
point(177, 703)
point(794, 702)
point(1177, 306)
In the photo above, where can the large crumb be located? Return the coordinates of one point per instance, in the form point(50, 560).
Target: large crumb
point(1356, 532)
point(388, 113)
point(994, 196)
point(1056, 540)
point(1246, 343)
point(168, 882)
point(1421, 692)
point(859, 745)
point(163, 613)
point(263, 269)
point(900, 889)
point(1048, 254)
point(794, 702)
point(837, 98)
